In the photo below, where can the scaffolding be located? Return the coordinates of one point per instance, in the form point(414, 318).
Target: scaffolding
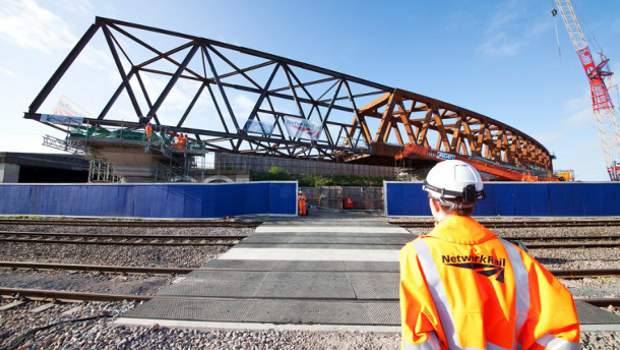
point(179, 158)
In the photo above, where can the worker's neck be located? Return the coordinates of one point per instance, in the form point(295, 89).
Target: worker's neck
point(442, 216)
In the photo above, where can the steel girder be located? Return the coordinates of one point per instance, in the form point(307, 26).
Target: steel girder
point(433, 126)
point(331, 100)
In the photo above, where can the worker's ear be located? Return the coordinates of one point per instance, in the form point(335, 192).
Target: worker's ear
point(434, 205)
point(436, 210)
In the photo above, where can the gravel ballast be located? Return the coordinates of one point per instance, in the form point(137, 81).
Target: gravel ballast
point(212, 231)
point(600, 287)
point(85, 281)
point(563, 258)
point(101, 333)
point(161, 256)
point(542, 232)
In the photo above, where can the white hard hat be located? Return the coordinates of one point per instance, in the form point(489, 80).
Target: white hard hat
point(454, 182)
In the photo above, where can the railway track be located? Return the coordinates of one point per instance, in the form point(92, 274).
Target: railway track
point(132, 223)
point(607, 241)
point(564, 238)
point(95, 268)
point(582, 273)
point(518, 223)
point(564, 245)
point(580, 241)
point(68, 296)
point(119, 239)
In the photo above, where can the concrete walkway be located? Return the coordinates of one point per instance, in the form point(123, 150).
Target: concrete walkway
point(314, 273)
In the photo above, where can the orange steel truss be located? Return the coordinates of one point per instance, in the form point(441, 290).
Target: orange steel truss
point(417, 127)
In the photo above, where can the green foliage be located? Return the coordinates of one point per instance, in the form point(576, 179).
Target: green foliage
point(278, 174)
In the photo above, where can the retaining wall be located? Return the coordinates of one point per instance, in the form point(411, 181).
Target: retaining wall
point(150, 200)
point(516, 199)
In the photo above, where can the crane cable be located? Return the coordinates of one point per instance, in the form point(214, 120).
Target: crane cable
point(554, 14)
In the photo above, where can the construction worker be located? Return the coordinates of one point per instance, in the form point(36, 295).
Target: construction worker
point(301, 201)
point(462, 287)
point(148, 132)
point(181, 141)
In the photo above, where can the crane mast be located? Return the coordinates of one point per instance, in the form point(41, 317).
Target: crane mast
point(602, 104)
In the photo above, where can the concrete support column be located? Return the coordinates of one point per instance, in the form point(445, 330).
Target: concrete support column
point(9, 172)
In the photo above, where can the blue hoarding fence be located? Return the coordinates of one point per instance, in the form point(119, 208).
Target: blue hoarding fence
point(516, 199)
point(150, 200)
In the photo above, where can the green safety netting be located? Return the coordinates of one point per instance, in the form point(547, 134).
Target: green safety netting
point(97, 132)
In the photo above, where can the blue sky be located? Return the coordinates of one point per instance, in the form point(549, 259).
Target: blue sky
point(499, 58)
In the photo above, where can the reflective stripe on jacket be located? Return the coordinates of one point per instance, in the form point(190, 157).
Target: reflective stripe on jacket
point(461, 287)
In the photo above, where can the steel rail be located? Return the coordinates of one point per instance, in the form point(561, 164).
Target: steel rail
point(119, 239)
point(563, 238)
point(601, 302)
point(131, 223)
point(68, 296)
point(517, 224)
point(581, 273)
point(573, 274)
point(116, 235)
point(573, 245)
point(97, 268)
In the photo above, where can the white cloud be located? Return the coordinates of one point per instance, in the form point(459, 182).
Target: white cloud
point(510, 30)
point(7, 72)
point(500, 45)
point(576, 113)
point(26, 24)
point(579, 111)
point(508, 12)
point(80, 7)
point(179, 97)
point(576, 139)
point(242, 105)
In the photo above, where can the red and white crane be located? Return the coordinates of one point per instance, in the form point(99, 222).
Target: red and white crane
point(598, 75)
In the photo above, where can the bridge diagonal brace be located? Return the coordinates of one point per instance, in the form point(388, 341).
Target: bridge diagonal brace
point(121, 71)
point(220, 86)
point(62, 69)
point(171, 83)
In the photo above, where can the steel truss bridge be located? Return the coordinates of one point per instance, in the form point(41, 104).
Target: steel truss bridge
point(295, 109)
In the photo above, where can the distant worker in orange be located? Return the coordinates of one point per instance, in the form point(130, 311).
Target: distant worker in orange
point(348, 203)
point(148, 132)
point(462, 287)
point(301, 201)
point(182, 141)
point(179, 141)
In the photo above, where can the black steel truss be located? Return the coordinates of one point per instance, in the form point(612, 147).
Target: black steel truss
point(334, 136)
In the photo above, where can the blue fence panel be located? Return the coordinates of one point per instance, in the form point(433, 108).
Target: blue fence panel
point(516, 199)
point(150, 200)
point(405, 199)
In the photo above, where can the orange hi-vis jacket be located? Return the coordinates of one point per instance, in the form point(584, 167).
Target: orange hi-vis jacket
point(462, 287)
